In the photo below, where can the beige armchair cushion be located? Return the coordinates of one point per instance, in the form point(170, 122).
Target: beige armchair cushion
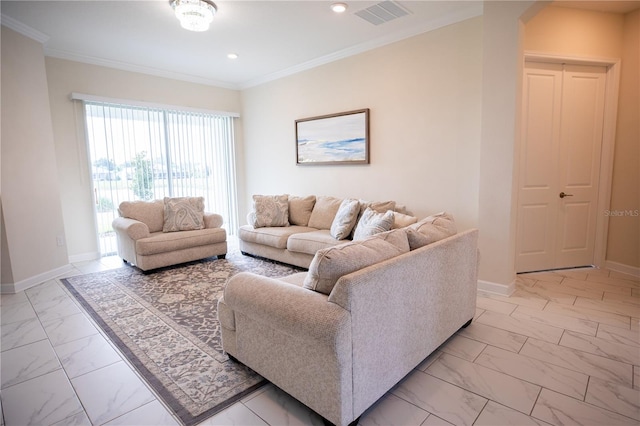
point(330, 264)
point(149, 212)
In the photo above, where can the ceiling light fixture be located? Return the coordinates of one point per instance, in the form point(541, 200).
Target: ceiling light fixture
point(339, 7)
point(194, 15)
point(232, 56)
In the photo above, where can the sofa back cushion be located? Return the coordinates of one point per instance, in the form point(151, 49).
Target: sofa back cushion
point(329, 264)
point(431, 229)
point(269, 210)
point(151, 213)
point(300, 209)
point(324, 211)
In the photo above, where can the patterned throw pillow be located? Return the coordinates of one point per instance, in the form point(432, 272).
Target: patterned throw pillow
point(345, 219)
point(183, 214)
point(372, 223)
point(270, 210)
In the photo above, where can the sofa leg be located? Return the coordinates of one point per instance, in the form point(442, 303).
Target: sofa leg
point(222, 256)
point(466, 324)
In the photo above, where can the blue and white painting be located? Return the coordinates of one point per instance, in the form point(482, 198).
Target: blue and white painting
point(334, 139)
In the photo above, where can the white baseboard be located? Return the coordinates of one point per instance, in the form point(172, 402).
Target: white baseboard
point(495, 288)
point(22, 285)
point(84, 257)
point(624, 269)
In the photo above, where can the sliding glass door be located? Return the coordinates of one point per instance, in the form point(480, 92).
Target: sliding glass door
point(140, 153)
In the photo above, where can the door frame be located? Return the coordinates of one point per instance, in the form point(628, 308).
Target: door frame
point(608, 139)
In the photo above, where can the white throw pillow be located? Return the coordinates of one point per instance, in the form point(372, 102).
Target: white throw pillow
point(345, 219)
point(372, 222)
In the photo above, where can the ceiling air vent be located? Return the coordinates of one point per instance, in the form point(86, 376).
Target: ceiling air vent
point(383, 12)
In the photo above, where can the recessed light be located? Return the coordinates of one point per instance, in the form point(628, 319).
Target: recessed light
point(339, 7)
point(232, 56)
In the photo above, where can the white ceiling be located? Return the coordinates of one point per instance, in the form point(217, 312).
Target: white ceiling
point(272, 38)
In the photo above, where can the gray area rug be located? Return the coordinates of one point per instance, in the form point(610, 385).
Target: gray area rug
point(165, 323)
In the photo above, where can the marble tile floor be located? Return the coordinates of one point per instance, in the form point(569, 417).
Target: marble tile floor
point(564, 349)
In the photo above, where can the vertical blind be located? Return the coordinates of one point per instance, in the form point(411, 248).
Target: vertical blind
point(145, 153)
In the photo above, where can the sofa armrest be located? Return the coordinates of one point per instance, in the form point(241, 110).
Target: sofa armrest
point(132, 228)
point(287, 307)
point(213, 220)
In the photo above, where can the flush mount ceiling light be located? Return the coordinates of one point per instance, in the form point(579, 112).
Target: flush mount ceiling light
point(194, 15)
point(339, 7)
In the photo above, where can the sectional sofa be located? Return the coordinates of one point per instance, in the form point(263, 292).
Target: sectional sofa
point(291, 229)
point(368, 311)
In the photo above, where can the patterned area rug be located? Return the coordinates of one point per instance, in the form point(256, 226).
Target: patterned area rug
point(166, 324)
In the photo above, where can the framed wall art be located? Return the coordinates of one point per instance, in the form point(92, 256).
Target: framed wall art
point(341, 138)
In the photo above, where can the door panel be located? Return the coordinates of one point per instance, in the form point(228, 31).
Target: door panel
point(537, 200)
point(580, 149)
point(563, 110)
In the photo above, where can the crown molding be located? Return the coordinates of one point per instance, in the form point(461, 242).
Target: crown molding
point(473, 10)
point(123, 66)
point(23, 29)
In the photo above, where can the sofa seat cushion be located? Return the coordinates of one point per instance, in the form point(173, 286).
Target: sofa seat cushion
point(271, 236)
point(162, 242)
point(311, 242)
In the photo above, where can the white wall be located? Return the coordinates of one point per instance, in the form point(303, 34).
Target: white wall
point(32, 215)
point(623, 247)
point(65, 77)
point(424, 96)
point(501, 86)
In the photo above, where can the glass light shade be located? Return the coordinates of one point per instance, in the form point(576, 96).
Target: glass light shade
point(339, 7)
point(194, 15)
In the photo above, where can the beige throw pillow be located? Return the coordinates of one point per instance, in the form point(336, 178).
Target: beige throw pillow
point(401, 220)
point(270, 210)
point(183, 214)
point(345, 219)
point(300, 209)
point(431, 229)
point(324, 211)
point(372, 222)
point(329, 264)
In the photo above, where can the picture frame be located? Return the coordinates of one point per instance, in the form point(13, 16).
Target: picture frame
point(341, 138)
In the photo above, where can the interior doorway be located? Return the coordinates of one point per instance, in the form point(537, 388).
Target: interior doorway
point(559, 184)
